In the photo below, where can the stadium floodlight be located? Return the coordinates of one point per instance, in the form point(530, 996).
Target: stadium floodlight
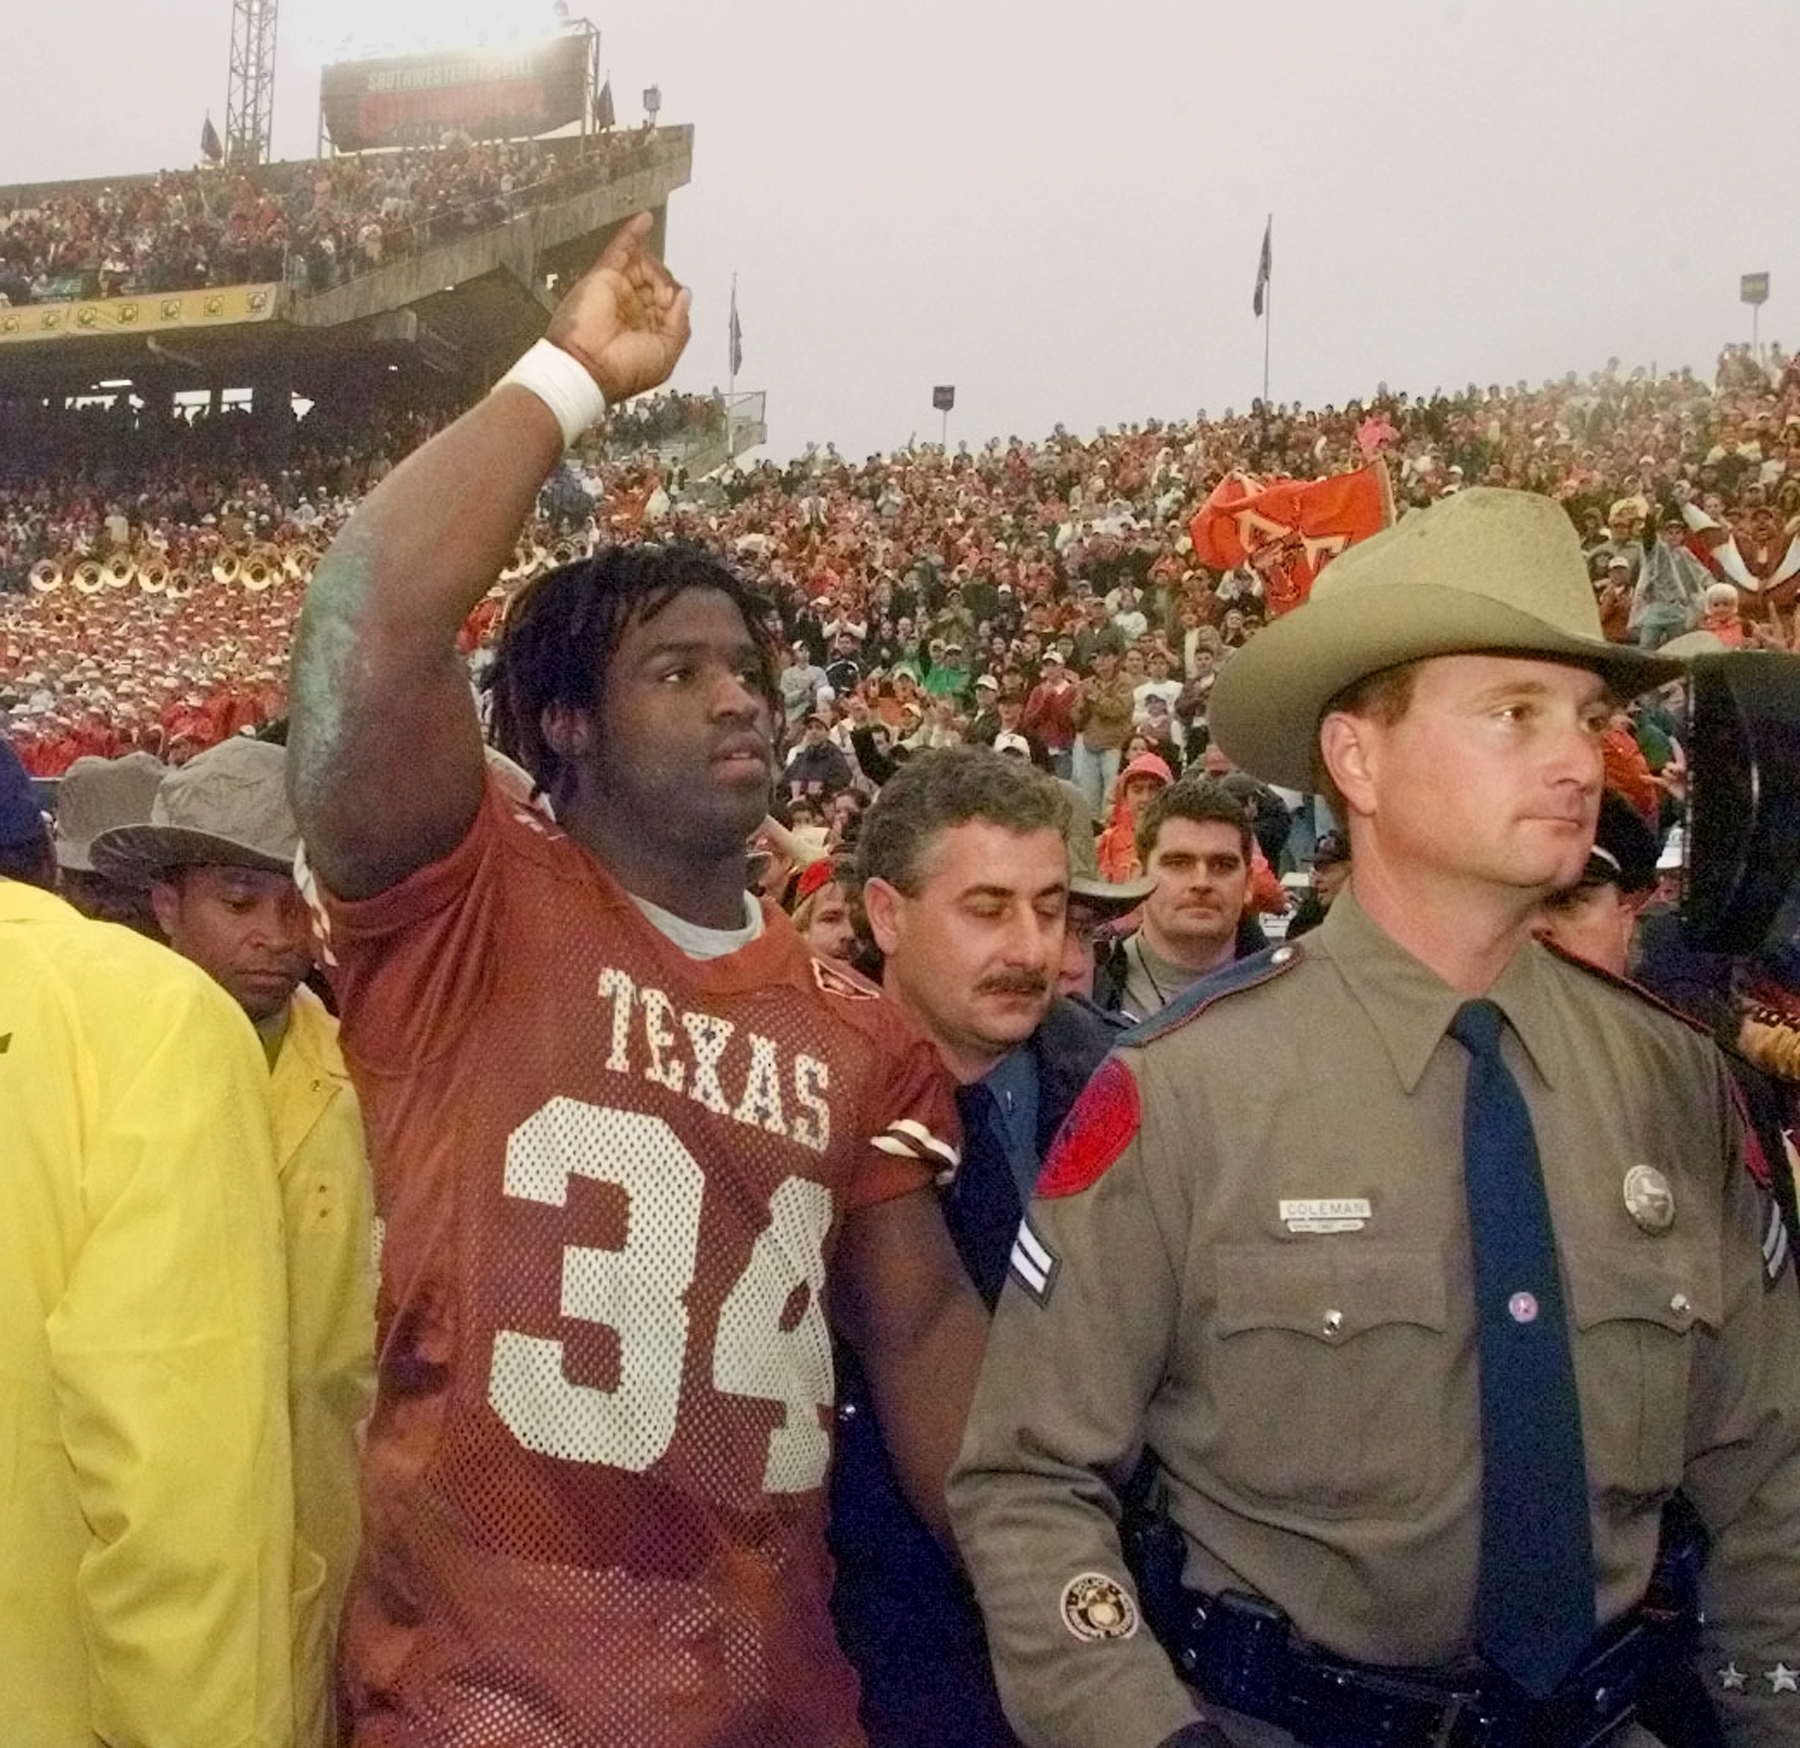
point(250, 96)
point(652, 102)
point(115, 382)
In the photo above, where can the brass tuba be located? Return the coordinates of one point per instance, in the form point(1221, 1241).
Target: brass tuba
point(225, 569)
point(153, 575)
point(261, 566)
point(89, 577)
point(119, 571)
point(46, 576)
point(180, 585)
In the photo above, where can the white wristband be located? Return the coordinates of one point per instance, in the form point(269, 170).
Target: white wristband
point(562, 383)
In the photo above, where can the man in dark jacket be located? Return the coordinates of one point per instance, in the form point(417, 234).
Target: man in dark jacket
point(816, 767)
point(965, 888)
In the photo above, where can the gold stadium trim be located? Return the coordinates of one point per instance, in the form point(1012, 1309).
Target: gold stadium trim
point(221, 307)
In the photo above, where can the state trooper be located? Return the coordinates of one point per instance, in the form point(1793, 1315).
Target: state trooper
point(1421, 1260)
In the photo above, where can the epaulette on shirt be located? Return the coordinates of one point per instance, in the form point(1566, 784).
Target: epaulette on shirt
point(1214, 987)
point(1647, 996)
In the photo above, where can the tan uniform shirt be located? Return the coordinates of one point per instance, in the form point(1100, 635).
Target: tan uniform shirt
point(1311, 1392)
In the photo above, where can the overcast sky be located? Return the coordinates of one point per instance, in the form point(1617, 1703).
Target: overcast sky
point(1058, 207)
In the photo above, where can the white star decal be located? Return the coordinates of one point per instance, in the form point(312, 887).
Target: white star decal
point(1732, 1678)
point(1782, 1679)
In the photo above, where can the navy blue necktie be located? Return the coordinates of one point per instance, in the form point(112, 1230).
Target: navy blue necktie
point(982, 1208)
point(1534, 1611)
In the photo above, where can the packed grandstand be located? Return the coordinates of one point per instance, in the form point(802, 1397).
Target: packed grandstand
point(152, 570)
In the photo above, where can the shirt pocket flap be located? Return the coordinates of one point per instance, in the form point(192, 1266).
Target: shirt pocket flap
point(1330, 1290)
point(1649, 1283)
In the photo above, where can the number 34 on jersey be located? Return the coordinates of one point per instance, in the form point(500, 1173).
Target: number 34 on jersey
point(641, 1292)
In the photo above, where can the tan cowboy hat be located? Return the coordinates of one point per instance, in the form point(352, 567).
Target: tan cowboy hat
point(97, 794)
point(227, 806)
point(1116, 897)
point(1485, 571)
point(1694, 643)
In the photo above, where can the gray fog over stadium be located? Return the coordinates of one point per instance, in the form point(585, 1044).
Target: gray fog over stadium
point(1058, 209)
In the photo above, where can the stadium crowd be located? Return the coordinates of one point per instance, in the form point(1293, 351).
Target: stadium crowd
point(491, 918)
point(924, 572)
point(312, 224)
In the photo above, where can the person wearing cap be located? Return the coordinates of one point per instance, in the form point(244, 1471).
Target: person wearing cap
point(1139, 783)
point(1596, 917)
point(1098, 908)
point(986, 722)
point(1276, 1166)
point(1159, 688)
point(1049, 711)
point(948, 676)
point(1078, 824)
point(816, 767)
point(96, 794)
point(844, 670)
point(821, 910)
point(217, 858)
point(964, 882)
point(800, 680)
point(147, 1513)
point(1330, 863)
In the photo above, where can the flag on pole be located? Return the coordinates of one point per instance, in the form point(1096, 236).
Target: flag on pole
point(737, 336)
point(1262, 268)
point(210, 143)
point(604, 116)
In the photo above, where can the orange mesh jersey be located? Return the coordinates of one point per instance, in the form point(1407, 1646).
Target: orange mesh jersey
point(609, 1178)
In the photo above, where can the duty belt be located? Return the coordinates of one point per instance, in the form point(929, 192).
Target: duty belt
point(1242, 1653)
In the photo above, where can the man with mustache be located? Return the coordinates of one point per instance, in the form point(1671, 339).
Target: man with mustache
point(965, 883)
point(633, 1142)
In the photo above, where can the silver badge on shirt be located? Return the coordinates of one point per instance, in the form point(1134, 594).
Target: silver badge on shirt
point(1648, 1198)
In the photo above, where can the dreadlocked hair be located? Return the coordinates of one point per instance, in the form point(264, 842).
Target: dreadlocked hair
point(562, 630)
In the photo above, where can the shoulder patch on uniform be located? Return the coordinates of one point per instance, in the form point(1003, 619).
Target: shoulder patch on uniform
point(836, 980)
point(1099, 1127)
point(1232, 979)
point(1647, 996)
point(1096, 1607)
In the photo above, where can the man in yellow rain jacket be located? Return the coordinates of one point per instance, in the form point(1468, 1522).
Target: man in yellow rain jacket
point(217, 855)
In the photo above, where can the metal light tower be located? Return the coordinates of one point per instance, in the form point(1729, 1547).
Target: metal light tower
point(250, 103)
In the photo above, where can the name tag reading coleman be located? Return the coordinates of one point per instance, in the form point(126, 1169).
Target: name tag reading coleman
point(1326, 1214)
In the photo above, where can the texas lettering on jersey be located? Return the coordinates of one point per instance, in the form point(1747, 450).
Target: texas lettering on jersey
point(746, 1079)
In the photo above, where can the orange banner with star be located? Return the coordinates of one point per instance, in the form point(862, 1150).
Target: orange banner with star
point(1288, 529)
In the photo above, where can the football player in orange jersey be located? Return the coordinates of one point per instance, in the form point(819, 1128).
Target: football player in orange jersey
point(631, 1139)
